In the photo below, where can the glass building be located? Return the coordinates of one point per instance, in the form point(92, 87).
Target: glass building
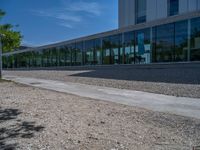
point(174, 38)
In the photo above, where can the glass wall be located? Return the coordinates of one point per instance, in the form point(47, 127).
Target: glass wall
point(140, 11)
point(169, 43)
point(93, 52)
point(98, 52)
point(173, 7)
point(72, 48)
point(164, 43)
point(46, 58)
point(116, 49)
point(106, 56)
point(68, 58)
point(142, 46)
point(181, 41)
point(89, 52)
point(62, 57)
point(112, 49)
point(129, 48)
point(195, 40)
point(79, 49)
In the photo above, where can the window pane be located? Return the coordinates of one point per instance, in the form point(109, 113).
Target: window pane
point(89, 52)
point(140, 7)
point(73, 54)
point(116, 53)
point(181, 41)
point(106, 50)
point(98, 52)
point(164, 43)
point(142, 47)
point(195, 39)
point(173, 7)
point(129, 56)
point(79, 49)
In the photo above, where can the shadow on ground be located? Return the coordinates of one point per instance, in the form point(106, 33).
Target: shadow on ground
point(176, 73)
point(13, 129)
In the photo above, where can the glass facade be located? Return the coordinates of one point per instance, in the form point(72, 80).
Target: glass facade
point(140, 11)
point(142, 46)
point(173, 42)
point(195, 40)
point(170, 42)
point(173, 7)
point(112, 50)
point(129, 47)
point(90, 52)
point(181, 41)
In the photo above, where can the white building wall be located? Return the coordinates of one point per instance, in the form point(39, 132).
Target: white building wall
point(183, 6)
point(122, 13)
point(151, 13)
point(132, 11)
point(192, 5)
point(198, 1)
point(156, 9)
point(161, 10)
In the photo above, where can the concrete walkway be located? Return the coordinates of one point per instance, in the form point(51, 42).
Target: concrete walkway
point(169, 104)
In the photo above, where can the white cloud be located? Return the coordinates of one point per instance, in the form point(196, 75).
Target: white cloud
point(71, 13)
point(88, 7)
point(65, 24)
point(58, 15)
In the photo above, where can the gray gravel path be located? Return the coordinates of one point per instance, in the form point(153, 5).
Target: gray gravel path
point(174, 89)
point(32, 118)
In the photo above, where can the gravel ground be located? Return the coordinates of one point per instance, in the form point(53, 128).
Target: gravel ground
point(31, 118)
point(175, 89)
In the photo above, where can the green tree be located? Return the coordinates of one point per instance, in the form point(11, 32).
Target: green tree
point(11, 39)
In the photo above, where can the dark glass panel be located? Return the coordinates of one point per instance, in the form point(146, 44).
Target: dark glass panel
point(45, 58)
point(129, 56)
point(164, 44)
point(38, 58)
point(140, 7)
point(62, 56)
point(17, 61)
point(73, 53)
point(79, 50)
point(89, 52)
point(98, 52)
point(54, 57)
point(33, 59)
point(181, 41)
point(154, 56)
point(67, 55)
point(173, 7)
point(116, 49)
point(142, 46)
point(112, 49)
point(195, 40)
point(106, 50)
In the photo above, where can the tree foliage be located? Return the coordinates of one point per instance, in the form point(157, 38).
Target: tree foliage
point(10, 39)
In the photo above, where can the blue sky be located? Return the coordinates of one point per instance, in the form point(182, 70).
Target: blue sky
point(47, 21)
